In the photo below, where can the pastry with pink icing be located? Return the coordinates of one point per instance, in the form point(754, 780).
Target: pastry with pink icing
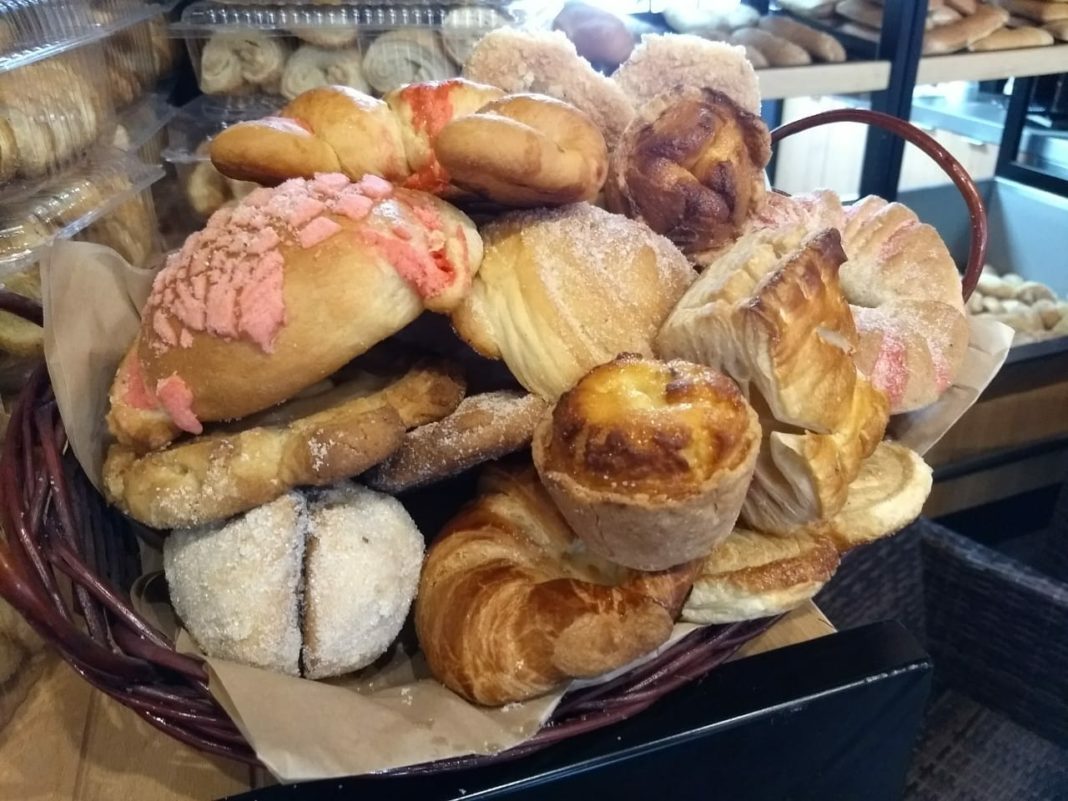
point(281, 290)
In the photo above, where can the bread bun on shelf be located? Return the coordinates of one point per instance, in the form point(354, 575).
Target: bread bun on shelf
point(279, 292)
point(691, 166)
point(509, 608)
point(649, 461)
point(752, 575)
point(563, 290)
point(322, 581)
point(349, 424)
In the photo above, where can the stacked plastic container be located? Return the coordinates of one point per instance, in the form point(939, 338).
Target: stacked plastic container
point(78, 116)
point(251, 58)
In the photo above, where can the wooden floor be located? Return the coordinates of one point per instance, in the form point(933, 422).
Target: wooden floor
point(67, 741)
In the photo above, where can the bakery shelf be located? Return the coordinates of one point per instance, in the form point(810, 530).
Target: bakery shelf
point(993, 65)
point(824, 79)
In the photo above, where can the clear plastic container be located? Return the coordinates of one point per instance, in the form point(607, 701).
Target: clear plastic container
point(31, 30)
point(199, 188)
point(142, 128)
point(282, 50)
point(52, 112)
point(131, 229)
point(138, 57)
point(68, 204)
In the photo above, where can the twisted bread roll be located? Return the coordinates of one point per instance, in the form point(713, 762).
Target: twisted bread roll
point(691, 166)
point(518, 151)
point(312, 66)
point(649, 462)
point(563, 290)
point(281, 291)
point(404, 56)
point(509, 608)
point(232, 64)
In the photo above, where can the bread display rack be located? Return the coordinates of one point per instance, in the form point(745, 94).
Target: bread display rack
point(61, 532)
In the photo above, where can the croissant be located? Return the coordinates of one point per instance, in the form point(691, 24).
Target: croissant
point(508, 608)
point(449, 138)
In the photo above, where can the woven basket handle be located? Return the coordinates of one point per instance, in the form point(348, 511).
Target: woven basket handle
point(942, 157)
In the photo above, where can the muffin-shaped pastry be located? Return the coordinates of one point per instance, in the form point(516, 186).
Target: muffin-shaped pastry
point(649, 461)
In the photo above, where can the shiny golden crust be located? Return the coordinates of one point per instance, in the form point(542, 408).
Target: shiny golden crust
point(563, 290)
point(770, 313)
point(691, 166)
point(649, 462)
point(525, 150)
point(887, 494)
point(341, 297)
point(326, 129)
point(801, 477)
point(752, 575)
point(318, 439)
point(508, 608)
point(483, 427)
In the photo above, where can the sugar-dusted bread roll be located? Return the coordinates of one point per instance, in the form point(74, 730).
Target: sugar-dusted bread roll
point(649, 461)
point(282, 290)
point(322, 581)
point(546, 62)
point(563, 290)
point(691, 166)
point(510, 606)
point(664, 62)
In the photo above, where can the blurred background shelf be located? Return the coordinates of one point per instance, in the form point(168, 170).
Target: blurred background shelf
point(994, 65)
point(824, 79)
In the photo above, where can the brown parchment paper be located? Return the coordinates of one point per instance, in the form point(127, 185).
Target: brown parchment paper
point(393, 714)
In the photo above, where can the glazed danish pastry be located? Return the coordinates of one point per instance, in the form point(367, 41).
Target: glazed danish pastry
point(649, 461)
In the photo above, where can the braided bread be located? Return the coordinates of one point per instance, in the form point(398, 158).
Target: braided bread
point(448, 137)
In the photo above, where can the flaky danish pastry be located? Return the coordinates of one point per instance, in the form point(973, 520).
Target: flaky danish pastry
point(510, 606)
point(351, 423)
point(752, 575)
point(563, 290)
point(691, 166)
point(279, 292)
point(649, 461)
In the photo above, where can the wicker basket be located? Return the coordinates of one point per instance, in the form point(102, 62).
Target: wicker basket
point(68, 562)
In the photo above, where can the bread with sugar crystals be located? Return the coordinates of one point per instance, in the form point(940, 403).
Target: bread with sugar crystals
point(563, 290)
point(279, 292)
point(649, 461)
point(315, 584)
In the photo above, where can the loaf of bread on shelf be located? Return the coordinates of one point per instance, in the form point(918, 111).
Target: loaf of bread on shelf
point(649, 461)
point(965, 32)
point(562, 290)
point(779, 51)
point(279, 292)
point(1012, 38)
point(821, 46)
point(863, 12)
point(1041, 11)
point(510, 608)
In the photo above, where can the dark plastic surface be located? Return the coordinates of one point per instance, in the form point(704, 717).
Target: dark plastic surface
point(833, 718)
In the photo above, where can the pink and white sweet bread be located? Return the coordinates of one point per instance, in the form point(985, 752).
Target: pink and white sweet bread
point(281, 291)
point(903, 288)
